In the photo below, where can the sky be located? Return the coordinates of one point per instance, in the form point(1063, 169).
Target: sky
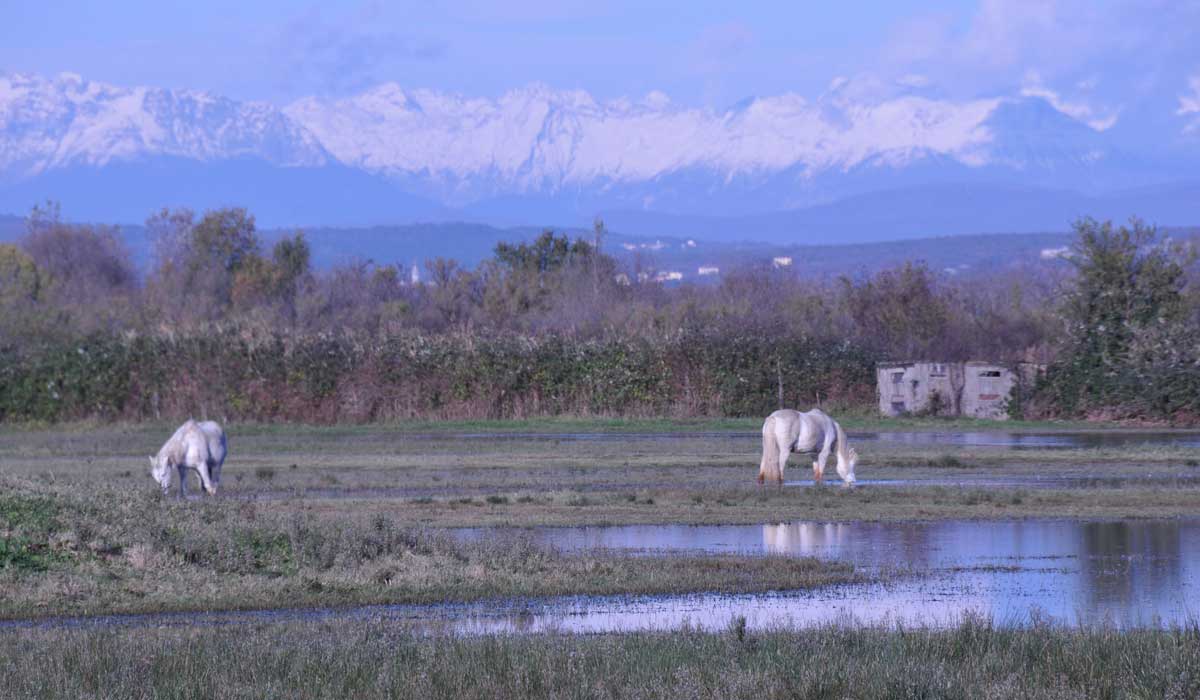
point(1099, 61)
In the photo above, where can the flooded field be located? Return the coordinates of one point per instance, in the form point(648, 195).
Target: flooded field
point(1126, 574)
point(1016, 440)
point(1133, 573)
point(340, 522)
point(1035, 440)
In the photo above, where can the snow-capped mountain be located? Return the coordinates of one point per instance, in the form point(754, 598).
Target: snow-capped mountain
point(48, 124)
point(537, 139)
point(532, 155)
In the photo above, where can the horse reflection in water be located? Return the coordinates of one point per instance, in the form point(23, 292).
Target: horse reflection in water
point(809, 539)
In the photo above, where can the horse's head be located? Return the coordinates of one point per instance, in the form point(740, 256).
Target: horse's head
point(851, 460)
point(160, 469)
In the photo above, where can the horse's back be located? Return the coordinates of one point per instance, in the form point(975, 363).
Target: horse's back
point(194, 442)
point(784, 416)
point(821, 418)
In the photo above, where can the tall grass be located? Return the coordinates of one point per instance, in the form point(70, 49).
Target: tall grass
point(376, 660)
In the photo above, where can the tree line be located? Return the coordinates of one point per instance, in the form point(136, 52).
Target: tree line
point(556, 325)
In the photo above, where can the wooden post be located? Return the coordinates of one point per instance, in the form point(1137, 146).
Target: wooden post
point(779, 381)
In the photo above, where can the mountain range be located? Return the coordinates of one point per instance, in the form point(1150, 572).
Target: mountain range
point(783, 169)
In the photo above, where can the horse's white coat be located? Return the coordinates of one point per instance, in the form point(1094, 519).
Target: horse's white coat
point(198, 446)
point(786, 431)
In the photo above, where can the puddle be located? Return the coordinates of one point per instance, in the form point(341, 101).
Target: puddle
point(1122, 573)
point(1016, 440)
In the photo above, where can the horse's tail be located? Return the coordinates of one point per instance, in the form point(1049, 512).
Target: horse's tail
point(847, 456)
point(768, 469)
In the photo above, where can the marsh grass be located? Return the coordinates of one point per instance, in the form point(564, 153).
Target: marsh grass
point(946, 462)
point(111, 550)
point(378, 660)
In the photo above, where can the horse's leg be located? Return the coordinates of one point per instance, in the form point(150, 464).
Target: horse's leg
point(770, 450)
point(784, 451)
point(206, 485)
point(182, 481)
point(819, 464)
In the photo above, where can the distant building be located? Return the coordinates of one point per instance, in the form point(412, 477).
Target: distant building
point(972, 389)
point(668, 276)
point(706, 270)
point(782, 261)
point(656, 245)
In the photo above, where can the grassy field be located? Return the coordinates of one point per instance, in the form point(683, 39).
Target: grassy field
point(347, 515)
point(373, 660)
point(694, 475)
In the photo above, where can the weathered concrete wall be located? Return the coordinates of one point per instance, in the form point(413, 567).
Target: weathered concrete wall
point(975, 389)
point(918, 387)
point(988, 388)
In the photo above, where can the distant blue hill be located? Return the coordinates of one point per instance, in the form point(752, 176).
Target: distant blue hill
point(132, 191)
point(928, 211)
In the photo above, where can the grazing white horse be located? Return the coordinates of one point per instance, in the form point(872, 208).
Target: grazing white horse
point(786, 431)
point(198, 446)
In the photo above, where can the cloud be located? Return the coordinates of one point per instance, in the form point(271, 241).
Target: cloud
point(1097, 118)
point(344, 55)
point(525, 11)
point(913, 80)
point(1190, 104)
point(1137, 47)
point(1002, 40)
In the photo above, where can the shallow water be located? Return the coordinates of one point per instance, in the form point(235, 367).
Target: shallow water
point(1127, 573)
point(1124, 573)
point(985, 481)
point(1017, 440)
point(1029, 440)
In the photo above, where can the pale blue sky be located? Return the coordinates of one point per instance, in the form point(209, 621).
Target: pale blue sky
point(1102, 59)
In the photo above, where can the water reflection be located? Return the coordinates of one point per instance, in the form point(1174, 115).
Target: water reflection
point(963, 438)
point(1123, 572)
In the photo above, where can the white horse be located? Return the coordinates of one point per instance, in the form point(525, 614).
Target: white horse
point(198, 446)
point(787, 431)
